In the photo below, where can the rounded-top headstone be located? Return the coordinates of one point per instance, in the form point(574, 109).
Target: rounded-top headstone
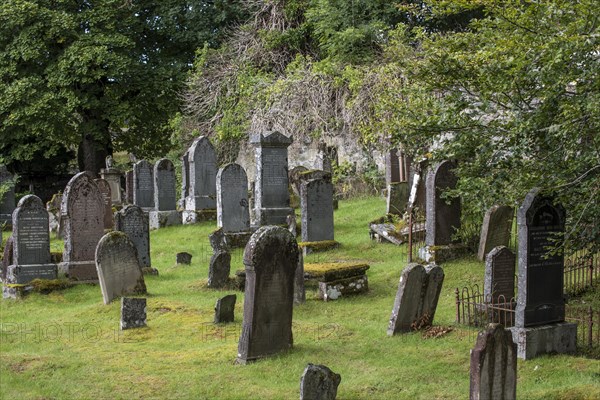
point(233, 214)
point(31, 232)
point(443, 219)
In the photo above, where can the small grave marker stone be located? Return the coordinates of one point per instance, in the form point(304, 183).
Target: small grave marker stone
point(218, 271)
point(318, 382)
point(133, 312)
point(184, 258)
point(224, 309)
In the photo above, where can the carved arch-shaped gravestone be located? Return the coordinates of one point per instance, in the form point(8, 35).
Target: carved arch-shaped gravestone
point(443, 215)
point(233, 213)
point(134, 222)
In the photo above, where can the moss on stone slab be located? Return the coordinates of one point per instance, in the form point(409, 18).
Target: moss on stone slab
point(319, 246)
point(332, 271)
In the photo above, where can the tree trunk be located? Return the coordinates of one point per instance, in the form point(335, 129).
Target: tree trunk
point(92, 153)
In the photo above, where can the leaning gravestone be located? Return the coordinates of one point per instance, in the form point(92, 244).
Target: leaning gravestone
point(82, 208)
point(499, 284)
point(7, 202)
point(201, 174)
point(316, 202)
point(272, 201)
point(218, 271)
point(165, 196)
point(319, 383)
point(540, 312)
point(104, 187)
point(397, 198)
point(119, 272)
point(143, 184)
point(133, 312)
point(495, 231)
point(270, 258)
point(417, 297)
point(232, 199)
point(132, 221)
point(442, 219)
point(494, 365)
point(224, 309)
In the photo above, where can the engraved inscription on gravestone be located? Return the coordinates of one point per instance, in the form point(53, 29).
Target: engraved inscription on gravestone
point(232, 199)
point(143, 185)
point(499, 275)
point(132, 221)
point(165, 195)
point(317, 210)
point(32, 237)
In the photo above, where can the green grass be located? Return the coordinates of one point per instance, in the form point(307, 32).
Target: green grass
point(67, 345)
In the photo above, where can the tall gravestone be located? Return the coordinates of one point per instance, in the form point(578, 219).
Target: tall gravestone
point(83, 210)
point(316, 203)
point(134, 223)
point(113, 177)
point(129, 187)
point(392, 167)
point(105, 189)
point(272, 201)
point(185, 177)
point(495, 231)
point(540, 313)
point(118, 269)
point(494, 365)
point(232, 199)
point(165, 196)
point(499, 275)
point(31, 243)
point(202, 174)
point(7, 202)
point(270, 258)
point(443, 219)
point(143, 185)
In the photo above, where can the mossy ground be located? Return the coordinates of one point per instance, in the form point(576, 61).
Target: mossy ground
point(67, 344)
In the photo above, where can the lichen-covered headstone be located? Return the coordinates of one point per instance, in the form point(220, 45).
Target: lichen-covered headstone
point(134, 223)
point(494, 365)
point(271, 259)
point(104, 187)
point(417, 297)
point(133, 312)
point(143, 184)
point(318, 382)
point(495, 231)
point(316, 202)
point(218, 271)
point(119, 271)
point(224, 309)
point(82, 208)
point(202, 160)
point(442, 219)
point(232, 199)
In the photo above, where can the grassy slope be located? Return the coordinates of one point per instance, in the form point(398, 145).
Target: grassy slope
point(68, 345)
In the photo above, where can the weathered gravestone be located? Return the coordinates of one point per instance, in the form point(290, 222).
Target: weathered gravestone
point(129, 187)
point(495, 231)
point(443, 219)
point(494, 365)
point(318, 382)
point(271, 259)
point(185, 177)
point(224, 309)
point(201, 174)
point(132, 221)
point(30, 243)
point(133, 312)
point(417, 297)
point(272, 201)
point(7, 256)
point(119, 272)
point(82, 208)
point(397, 198)
point(143, 184)
point(183, 257)
point(232, 199)
point(7, 202)
point(316, 202)
point(165, 196)
point(218, 271)
point(540, 312)
point(113, 177)
point(104, 187)
point(499, 284)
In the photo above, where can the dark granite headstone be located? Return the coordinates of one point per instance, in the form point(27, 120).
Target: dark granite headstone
point(118, 269)
point(165, 194)
point(271, 259)
point(7, 202)
point(397, 198)
point(392, 167)
point(272, 202)
point(499, 285)
point(232, 199)
point(183, 258)
point(143, 184)
point(540, 301)
point(495, 231)
point(494, 365)
point(224, 309)
point(442, 220)
point(7, 256)
point(129, 187)
point(319, 383)
point(218, 271)
point(202, 160)
point(218, 241)
point(134, 223)
point(83, 210)
point(133, 312)
point(316, 202)
point(417, 297)
point(185, 176)
point(104, 187)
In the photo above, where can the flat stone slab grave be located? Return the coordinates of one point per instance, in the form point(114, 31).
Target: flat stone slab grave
point(336, 280)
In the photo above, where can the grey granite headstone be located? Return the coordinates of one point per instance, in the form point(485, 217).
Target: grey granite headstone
point(118, 269)
point(232, 199)
point(417, 297)
point(134, 223)
point(218, 271)
point(224, 309)
point(494, 365)
point(319, 383)
point(495, 231)
point(165, 195)
point(392, 167)
point(143, 184)
point(83, 210)
point(271, 259)
point(129, 187)
point(499, 285)
point(272, 201)
point(7, 256)
point(316, 202)
point(202, 160)
point(185, 176)
point(183, 258)
point(104, 187)
point(397, 198)
point(133, 312)
point(7, 202)
point(442, 220)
